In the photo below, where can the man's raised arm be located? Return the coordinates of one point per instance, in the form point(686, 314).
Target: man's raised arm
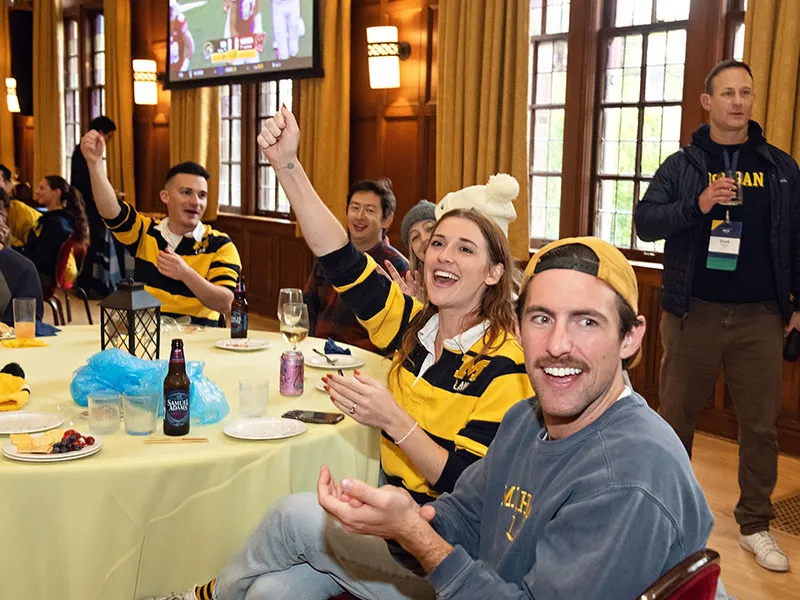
point(92, 147)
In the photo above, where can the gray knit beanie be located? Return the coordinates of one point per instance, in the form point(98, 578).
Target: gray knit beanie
point(421, 211)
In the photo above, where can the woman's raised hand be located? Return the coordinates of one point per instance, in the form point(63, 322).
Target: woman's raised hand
point(280, 138)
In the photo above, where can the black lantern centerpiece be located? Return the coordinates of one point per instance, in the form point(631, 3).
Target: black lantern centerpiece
point(130, 319)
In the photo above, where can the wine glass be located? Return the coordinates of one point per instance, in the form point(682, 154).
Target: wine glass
point(289, 296)
point(294, 323)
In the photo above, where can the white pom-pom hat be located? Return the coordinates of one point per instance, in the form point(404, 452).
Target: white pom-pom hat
point(495, 199)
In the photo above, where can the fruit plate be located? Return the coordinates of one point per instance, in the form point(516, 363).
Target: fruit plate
point(10, 451)
point(341, 361)
point(243, 345)
point(267, 428)
point(28, 422)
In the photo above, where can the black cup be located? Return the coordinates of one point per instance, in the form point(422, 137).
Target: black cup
point(791, 348)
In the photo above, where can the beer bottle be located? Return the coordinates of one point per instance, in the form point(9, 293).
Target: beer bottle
point(239, 310)
point(176, 393)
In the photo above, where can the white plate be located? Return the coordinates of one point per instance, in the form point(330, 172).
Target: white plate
point(267, 428)
point(343, 361)
point(28, 422)
point(243, 345)
point(10, 451)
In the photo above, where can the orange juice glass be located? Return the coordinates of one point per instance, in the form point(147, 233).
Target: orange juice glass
point(25, 318)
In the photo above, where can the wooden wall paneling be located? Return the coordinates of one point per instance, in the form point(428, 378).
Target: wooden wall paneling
point(23, 147)
point(644, 376)
point(582, 90)
point(393, 131)
point(272, 257)
point(151, 123)
point(704, 48)
point(403, 168)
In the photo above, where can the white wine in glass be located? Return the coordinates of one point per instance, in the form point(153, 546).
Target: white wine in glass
point(294, 323)
point(289, 296)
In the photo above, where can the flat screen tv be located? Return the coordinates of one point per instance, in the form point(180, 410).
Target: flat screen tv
point(212, 42)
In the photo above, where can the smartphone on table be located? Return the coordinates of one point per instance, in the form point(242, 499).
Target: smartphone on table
point(312, 416)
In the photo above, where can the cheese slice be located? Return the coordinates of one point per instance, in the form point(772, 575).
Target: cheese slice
point(37, 443)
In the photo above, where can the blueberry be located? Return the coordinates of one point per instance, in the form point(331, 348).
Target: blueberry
point(56, 450)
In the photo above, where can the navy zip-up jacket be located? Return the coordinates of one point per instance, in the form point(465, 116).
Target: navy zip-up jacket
point(670, 210)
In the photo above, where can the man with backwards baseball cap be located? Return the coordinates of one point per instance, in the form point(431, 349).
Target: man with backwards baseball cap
point(585, 492)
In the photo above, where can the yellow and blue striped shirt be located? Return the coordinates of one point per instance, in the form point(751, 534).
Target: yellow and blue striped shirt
point(214, 257)
point(458, 401)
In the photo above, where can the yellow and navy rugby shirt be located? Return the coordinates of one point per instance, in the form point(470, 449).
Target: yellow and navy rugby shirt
point(214, 257)
point(458, 401)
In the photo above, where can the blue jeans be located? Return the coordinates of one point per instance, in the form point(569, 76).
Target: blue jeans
point(298, 552)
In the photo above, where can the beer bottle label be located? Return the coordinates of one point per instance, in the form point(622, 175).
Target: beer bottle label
point(176, 410)
point(238, 322)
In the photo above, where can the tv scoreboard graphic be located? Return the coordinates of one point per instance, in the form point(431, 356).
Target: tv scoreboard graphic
point(236, 48)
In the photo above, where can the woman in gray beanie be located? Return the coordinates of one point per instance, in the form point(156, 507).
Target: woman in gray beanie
point(416, 233)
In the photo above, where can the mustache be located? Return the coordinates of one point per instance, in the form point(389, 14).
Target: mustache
point(561, 363)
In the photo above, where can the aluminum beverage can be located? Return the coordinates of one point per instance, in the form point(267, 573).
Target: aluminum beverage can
point(292, 373)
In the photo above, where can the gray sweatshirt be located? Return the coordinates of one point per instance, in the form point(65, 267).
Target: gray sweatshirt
point(598, 515)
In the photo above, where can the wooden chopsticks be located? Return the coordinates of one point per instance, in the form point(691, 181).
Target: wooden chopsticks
point(177, 440)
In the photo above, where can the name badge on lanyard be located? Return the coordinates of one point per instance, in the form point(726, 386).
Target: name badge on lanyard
point(723, 247)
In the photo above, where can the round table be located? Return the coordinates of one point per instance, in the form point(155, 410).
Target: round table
point(137, 519)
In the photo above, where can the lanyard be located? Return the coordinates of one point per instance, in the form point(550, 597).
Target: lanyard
point(730, 164)
point(730, 171)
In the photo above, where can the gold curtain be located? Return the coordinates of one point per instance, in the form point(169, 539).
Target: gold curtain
point(6, 120)
point(119, 96)
point(48, 89)
point(482, 110)
point(772, 49)
point(194, 135)
point(325, 111)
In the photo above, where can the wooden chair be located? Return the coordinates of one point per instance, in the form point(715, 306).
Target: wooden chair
point(694, 578)
point(78, 252)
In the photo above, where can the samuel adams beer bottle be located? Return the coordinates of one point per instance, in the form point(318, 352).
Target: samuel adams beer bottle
point(176, 393)
point(239, 311)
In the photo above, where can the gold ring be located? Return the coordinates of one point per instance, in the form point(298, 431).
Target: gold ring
point(353, 409)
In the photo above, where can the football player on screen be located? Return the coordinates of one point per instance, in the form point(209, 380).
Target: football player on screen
point(181, 44)
point(287, 28)
point(243, 18)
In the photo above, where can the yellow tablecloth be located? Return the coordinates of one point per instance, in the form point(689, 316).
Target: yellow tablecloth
point(139, 519)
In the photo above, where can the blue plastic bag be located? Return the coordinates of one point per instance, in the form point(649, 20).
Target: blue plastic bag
point(116, 370)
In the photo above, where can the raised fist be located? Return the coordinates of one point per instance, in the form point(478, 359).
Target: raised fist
point(92, 147)
point(280, 138)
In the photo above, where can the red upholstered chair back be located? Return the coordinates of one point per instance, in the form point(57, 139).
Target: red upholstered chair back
point(694, 578)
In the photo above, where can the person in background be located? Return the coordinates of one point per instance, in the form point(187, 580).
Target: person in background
point(5, 180)
point(22, 192)
point(18, 275)
point(97, 256)
point(416, 233)
point(22, 217)
point(189, 266)
point(567, 503)
point(65, 218)
point(371, 207)
point(728, 206)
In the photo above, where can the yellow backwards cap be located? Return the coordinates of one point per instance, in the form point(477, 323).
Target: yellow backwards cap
point(612, 267)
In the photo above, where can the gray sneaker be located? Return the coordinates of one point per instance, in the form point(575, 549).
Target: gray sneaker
point(765, 547)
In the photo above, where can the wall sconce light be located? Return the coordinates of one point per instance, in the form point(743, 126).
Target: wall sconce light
point(145, 89)
point(11, 95)
point(385, 53)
